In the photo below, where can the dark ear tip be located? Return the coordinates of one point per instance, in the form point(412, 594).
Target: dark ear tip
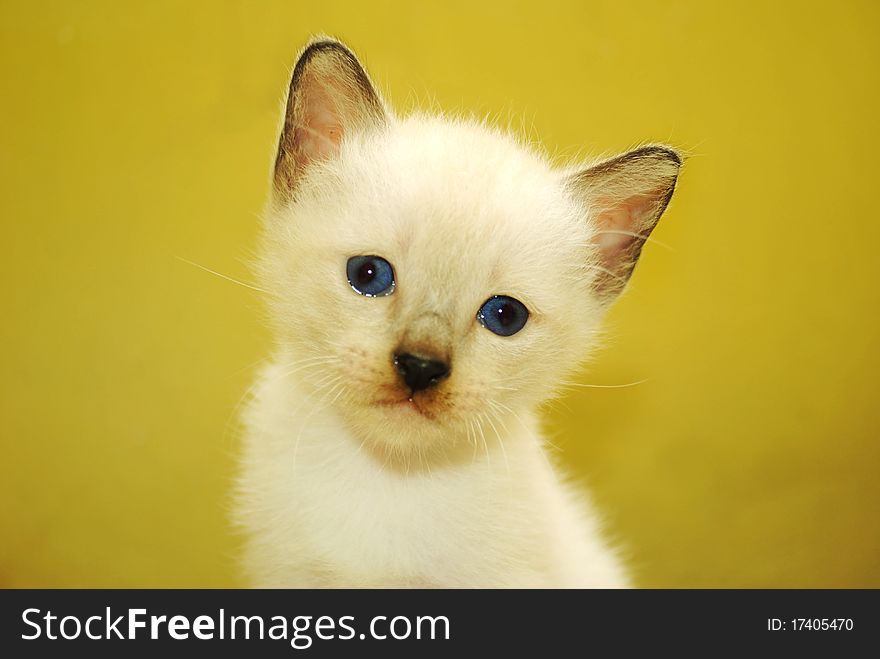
point(321, 45)
point(659, 152)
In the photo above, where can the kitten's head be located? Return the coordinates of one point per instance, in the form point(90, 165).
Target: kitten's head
point(432, 278)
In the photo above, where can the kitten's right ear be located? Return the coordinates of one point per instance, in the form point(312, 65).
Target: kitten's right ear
point(330, 97)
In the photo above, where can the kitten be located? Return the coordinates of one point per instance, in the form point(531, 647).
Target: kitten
point(430, 282)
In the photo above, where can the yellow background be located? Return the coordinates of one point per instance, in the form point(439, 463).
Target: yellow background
point(136, 133)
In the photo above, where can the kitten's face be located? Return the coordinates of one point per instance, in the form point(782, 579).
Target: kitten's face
point(389, 271)
point(430, 280)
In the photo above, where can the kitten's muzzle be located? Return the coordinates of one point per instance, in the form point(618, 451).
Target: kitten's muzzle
point(419, 373)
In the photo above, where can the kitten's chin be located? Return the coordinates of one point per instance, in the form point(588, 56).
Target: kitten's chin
point(402, 424)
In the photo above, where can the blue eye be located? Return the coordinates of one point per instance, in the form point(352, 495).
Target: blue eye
point(503, 315)
point(372, 276)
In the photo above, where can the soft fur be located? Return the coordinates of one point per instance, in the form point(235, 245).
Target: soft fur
point(348, 478)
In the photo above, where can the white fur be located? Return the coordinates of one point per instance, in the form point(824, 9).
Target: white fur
point(340, 488)
point(327, 514)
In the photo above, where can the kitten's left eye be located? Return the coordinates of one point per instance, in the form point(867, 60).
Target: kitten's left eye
point(372, 276)
point(503, 315)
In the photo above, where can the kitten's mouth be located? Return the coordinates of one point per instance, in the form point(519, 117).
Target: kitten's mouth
point(408, 404)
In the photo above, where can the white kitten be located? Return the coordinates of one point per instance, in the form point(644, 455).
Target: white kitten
point(430, 282)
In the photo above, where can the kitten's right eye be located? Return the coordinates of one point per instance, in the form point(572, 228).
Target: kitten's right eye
point(372, 276)
point(503, 315)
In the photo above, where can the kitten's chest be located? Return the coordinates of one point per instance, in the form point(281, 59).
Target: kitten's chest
point(372, 519)
point(373, 507)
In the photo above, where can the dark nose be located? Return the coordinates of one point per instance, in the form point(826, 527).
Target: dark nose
point(419, 373)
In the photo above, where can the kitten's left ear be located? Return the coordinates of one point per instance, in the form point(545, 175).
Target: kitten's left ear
point(330, 97)
point(625, 197)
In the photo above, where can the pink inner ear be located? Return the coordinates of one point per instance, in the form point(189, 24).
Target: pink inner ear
point(319, 132)
point(613, 232)
point(619, 226)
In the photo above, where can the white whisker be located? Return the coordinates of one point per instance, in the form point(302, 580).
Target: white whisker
point(485, 444)
point(222, 276)
point(500, 443)
point(330, 387)
point(604, 386)
point(315, 364)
